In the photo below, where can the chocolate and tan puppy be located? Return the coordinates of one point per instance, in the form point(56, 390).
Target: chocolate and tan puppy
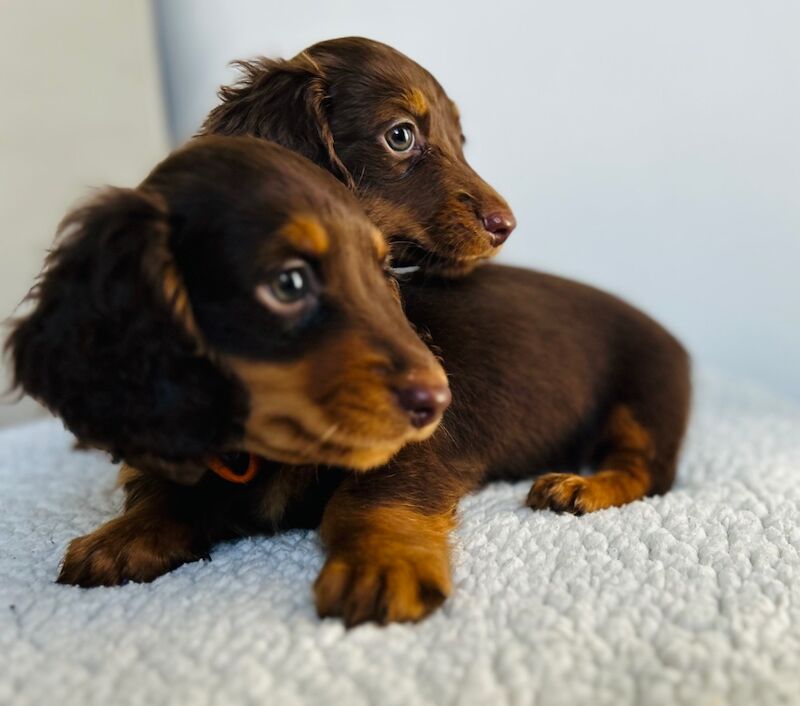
point(238, 300)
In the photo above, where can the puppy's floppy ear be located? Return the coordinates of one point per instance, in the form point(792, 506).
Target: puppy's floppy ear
point(283, 101)
point(111, 345)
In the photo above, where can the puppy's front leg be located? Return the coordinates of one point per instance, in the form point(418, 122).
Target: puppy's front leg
point(387, 540)
point(157, 532)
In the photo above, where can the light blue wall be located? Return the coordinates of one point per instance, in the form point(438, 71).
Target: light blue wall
point(650, 148)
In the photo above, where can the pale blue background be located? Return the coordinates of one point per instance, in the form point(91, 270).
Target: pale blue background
point(650, 148)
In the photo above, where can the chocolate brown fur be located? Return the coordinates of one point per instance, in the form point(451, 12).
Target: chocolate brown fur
point(548, 376)
point(533, 405)
point(149, 339)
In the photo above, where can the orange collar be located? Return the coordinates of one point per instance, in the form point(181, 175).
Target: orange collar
point(222, 466)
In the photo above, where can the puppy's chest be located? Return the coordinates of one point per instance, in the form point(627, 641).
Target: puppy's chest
point(292, 497)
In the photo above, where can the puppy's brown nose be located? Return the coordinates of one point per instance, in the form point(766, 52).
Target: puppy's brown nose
point(499, 224)
point(424, 404)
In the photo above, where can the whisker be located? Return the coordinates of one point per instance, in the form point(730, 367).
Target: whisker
point(444, 430)
point(331, 430)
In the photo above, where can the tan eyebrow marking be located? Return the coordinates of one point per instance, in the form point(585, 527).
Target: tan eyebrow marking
point(417, 101)
point(380, 244)
point(307, 234)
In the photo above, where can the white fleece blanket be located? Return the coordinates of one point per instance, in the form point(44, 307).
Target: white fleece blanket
point(692, 598)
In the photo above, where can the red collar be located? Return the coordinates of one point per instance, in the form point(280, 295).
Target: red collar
point(231, 467)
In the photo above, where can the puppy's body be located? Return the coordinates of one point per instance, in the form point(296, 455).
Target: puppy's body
point(535, 392)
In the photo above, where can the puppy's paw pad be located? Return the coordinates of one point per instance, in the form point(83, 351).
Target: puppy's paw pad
point(380, 590)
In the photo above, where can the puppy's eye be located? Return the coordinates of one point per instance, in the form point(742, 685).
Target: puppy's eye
point(400, 137)
point(291, 285)
point(290, 290)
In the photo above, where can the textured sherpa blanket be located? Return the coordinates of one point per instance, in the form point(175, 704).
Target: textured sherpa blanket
point(691, 598)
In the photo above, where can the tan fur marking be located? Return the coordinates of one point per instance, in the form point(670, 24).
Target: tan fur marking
point(175, 294)
point(302, 413)
point(127, 474)
point(416, 99)
point(164, 275)
point(306, 233)
point(381, 246)
point(455, 243)
point(623, 475)
point(388, 563)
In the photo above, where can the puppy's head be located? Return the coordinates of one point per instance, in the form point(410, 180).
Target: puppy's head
point(237, 300)
point(384, 126)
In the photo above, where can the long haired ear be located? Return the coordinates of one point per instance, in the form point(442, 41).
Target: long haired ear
point(283, 101)
point(111, 346)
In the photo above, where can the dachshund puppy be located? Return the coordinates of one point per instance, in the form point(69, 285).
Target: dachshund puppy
point(238, 300)
point(386, 128)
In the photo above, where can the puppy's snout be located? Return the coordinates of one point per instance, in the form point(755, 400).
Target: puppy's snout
point(500, 224)
point(424, 403)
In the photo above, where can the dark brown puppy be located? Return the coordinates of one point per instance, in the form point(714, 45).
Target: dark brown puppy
point(387, 129)
point(238, 300)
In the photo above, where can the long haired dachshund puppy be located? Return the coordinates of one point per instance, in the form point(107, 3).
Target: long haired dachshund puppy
point(385, 127)
point(238, 300)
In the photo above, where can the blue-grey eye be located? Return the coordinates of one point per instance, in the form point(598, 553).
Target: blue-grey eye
point(400, 138)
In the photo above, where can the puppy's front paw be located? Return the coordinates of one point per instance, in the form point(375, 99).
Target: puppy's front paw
point(122, 551)
point(382, 589)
